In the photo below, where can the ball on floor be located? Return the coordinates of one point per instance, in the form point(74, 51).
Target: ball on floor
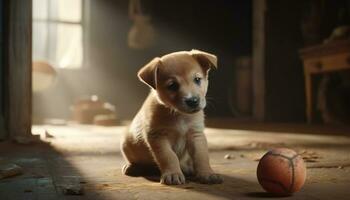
point(281, 172)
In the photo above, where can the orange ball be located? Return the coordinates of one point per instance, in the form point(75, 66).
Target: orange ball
point(281, 172)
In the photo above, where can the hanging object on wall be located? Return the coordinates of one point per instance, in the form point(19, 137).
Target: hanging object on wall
point(141, 34)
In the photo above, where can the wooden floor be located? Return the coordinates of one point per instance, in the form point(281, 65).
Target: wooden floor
point(88, 157)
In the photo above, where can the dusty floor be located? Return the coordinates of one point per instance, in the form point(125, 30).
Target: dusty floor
point(88, 157)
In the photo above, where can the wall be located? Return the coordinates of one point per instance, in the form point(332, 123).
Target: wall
point(221, 27)
point(284, 84)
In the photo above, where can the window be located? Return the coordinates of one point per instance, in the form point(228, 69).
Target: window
point(57, 32)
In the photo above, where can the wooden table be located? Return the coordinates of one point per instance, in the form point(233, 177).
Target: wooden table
point(325, 58)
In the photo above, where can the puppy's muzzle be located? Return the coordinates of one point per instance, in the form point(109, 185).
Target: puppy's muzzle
point(192, 102)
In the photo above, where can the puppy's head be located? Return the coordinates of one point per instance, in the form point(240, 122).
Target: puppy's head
point(180, 79)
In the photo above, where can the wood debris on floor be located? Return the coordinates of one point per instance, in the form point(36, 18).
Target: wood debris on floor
point(9, 170)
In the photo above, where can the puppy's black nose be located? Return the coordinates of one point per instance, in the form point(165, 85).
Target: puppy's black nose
point(192, 102)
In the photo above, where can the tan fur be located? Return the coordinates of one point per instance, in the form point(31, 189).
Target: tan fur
point(167, 131)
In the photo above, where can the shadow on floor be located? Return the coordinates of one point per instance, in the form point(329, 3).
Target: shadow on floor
point(231, 188)
point(47, 172)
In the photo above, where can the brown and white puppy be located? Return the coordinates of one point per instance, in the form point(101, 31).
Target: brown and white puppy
point(168, 129)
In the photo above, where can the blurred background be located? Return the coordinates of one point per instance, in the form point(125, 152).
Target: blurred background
point(93, 49)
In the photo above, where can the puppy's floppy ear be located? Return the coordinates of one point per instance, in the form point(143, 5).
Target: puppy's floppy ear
point(206, 60)
point(148, 73)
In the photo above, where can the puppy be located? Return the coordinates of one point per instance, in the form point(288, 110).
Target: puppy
point(167, 132)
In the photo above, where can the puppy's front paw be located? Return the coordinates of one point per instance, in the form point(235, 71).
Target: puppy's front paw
point(209, 178)
point(176, 178)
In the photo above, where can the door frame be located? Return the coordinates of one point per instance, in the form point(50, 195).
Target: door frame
point(17, 76)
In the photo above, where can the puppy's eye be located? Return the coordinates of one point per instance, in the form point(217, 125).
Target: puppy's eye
point(197, 80)
point(173, 86)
